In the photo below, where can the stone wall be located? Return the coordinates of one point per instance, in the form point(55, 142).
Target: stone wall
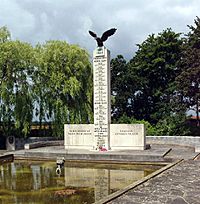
point(179, 140)
point(20, 142)
point(44, 144)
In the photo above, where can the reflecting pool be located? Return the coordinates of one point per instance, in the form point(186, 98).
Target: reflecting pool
point(37, 182)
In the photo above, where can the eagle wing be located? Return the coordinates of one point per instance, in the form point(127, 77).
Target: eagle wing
point(93, 34)
point(108, 33)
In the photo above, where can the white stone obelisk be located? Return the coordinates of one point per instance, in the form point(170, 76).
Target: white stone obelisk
point(102, 105)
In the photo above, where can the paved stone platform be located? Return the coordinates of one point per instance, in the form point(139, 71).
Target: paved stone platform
point(178, 185)
point(154, 154)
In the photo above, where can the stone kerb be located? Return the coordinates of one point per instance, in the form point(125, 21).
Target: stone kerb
point(127, 136)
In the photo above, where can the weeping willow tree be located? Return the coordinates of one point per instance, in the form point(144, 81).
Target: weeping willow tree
point(50, 82)
point(16, 70)
point(63, 85)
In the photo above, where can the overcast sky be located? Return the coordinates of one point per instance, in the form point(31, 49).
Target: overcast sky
point(41, 20)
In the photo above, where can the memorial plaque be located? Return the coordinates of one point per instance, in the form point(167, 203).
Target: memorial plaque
point(127, 136)
point(79, 136)
point(101, 66)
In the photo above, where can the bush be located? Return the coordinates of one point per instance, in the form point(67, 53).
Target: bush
point(150, 130)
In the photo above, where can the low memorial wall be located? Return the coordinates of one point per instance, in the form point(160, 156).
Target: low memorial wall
point(122, 136)
point(79, 136)
point(179, 140)
point(21, 142)
point(43, 144)
point(127, 136)
point(191, 141)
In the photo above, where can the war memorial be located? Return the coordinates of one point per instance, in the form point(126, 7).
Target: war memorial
point(103, 135)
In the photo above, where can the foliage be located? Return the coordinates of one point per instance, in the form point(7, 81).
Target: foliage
point(155, 66)
point(150, 130)
point(188, 81)
point(173, 125)
point(4, 34)
point(51, 82)
point(144, 89)
point(63, 84)
point(119, 86)
point(16, 62)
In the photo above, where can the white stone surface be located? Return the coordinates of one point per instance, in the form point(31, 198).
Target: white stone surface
point(101, 81)
point(197, 148)
point(127, 136)
point(79, 136)
point(27, 146)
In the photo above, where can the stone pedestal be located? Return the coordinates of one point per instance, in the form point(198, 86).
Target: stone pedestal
point(127, 137)
point(102, 118)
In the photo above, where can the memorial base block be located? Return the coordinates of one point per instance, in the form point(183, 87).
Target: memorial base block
point(79, 136)
point(127, 137)
point(122, 137)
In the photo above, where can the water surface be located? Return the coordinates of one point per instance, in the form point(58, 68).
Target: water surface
point(37, 182)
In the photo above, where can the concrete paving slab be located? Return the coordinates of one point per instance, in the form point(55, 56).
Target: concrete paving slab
point(178, 151)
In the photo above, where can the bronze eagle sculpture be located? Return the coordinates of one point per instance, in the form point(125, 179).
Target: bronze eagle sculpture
point(104, 37)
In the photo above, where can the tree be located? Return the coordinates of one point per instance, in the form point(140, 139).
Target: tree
point(63, 84)
point(189, 79)
point(119, 87)
point(51, 82)
point(155, 68)
point(4, 34)
point(16, 63)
